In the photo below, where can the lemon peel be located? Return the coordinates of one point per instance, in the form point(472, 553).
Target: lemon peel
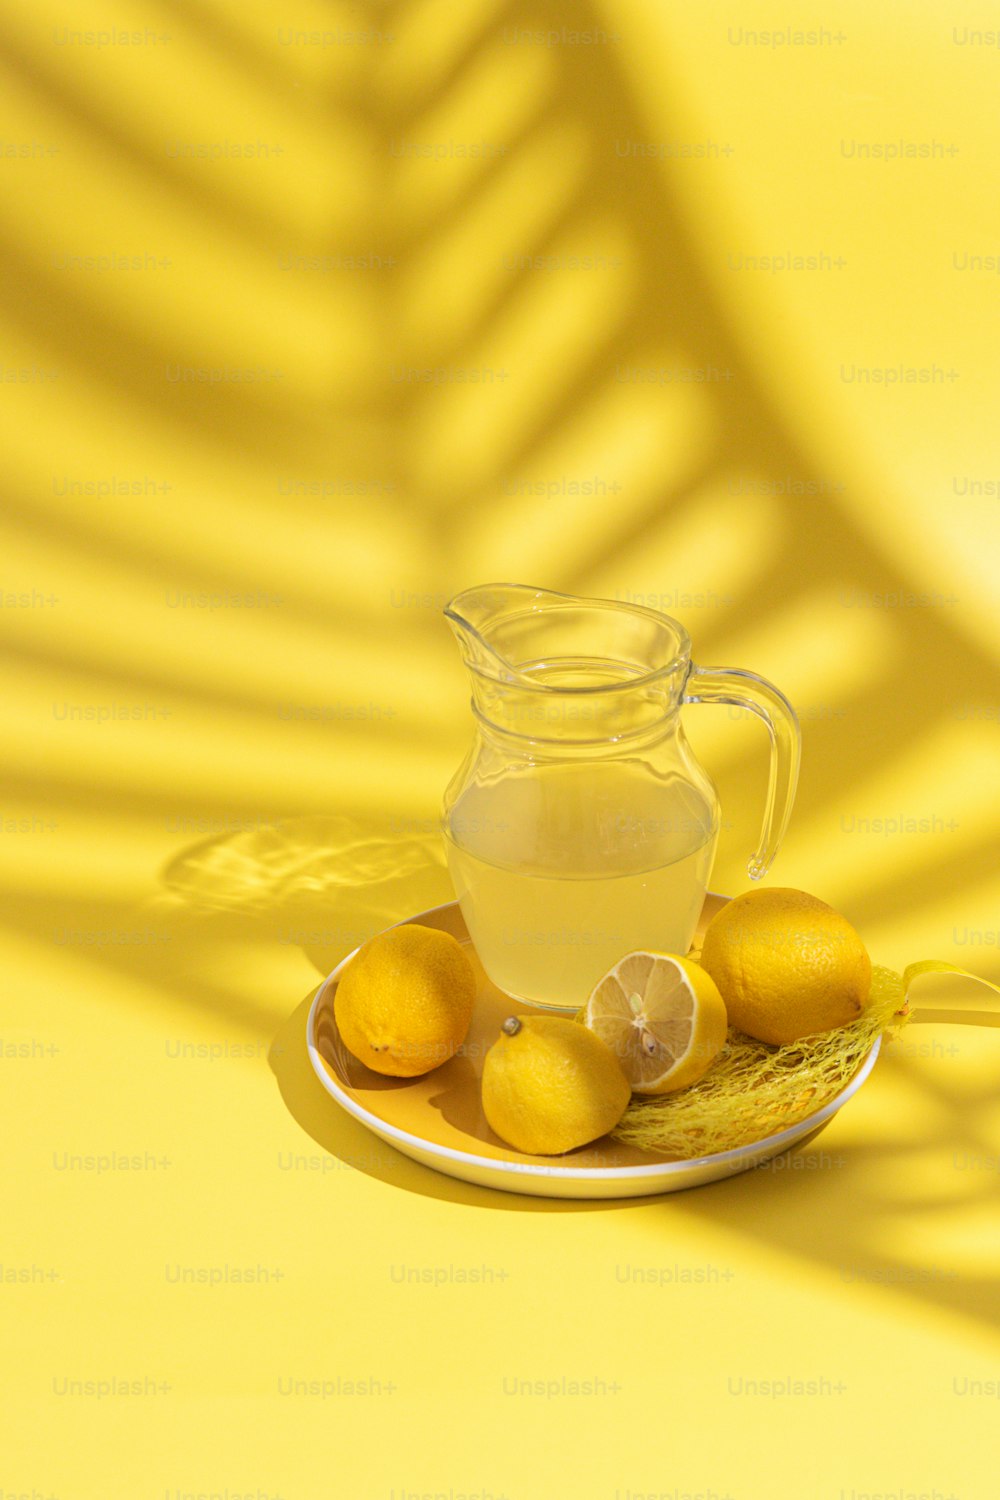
point(404, 1003)
point(550, 1085)
point(787, 964)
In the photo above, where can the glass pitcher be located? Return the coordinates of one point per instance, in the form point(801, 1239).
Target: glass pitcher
point(580, 825)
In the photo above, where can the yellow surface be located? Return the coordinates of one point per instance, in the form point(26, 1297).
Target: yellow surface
point(477, 305)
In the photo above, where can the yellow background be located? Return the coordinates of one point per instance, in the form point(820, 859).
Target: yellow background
point(348, 372)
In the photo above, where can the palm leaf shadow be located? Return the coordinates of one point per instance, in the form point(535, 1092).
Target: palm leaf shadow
point(669, 312)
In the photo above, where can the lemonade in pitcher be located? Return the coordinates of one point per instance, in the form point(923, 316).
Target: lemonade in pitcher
point(580, 826)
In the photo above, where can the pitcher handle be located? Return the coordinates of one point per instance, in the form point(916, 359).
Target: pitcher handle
point(760, 697)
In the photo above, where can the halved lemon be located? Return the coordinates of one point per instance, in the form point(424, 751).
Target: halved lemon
point(663, 1018)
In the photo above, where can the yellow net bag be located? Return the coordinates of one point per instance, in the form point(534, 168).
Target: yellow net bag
point(754, 1090)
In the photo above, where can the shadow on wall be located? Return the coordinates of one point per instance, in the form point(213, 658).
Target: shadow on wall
point(628, 375)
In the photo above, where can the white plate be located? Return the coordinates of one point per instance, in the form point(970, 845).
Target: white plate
point(438, 1119)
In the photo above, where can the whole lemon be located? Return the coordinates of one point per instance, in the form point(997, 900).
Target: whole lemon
point(786, 964)
point(550, 1084)
point(404, 1002)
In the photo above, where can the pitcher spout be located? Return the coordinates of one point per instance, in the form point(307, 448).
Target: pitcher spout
point(479, 615)
point(516, 633)
point(552, 666)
